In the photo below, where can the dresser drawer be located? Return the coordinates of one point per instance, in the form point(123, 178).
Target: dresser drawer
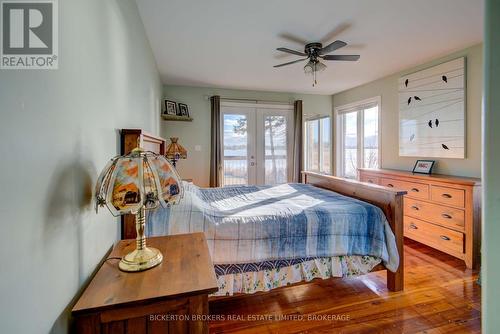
point(435, 213)
point(418, 190)
point(450, 196)
point(438, 237)
point(369, 179)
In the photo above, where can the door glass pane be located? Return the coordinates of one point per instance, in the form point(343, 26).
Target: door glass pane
point(275, 148)
point(235, 143)
point(370, 141)
point(350, 144)
point(325, 145)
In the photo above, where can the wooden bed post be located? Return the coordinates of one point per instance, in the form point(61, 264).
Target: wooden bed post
point(395, 281)
point(128, 141)
point(388, 199)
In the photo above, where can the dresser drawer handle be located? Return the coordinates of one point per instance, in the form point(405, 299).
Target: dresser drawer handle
point(446, 195)
point(414, 207)
point(446, 216)
point(390, 185)
point(413, 226)
point(444, 237)
point(415, 190)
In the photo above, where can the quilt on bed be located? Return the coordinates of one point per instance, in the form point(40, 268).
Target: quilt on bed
point(254, 224)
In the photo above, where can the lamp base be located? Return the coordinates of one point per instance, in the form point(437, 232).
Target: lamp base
point(141, 259)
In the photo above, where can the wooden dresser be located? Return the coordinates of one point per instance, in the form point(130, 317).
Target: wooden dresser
point(441, 211)
point(169, 298)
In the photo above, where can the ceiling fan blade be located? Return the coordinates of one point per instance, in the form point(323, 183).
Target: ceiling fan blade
point(293, 38)
point(290, 62)
point(333, 34)
point(341, 57)
point(291, 51)
point(332, 47)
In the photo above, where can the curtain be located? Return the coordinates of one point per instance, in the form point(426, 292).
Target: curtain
point(297, 159)
point(216, 148)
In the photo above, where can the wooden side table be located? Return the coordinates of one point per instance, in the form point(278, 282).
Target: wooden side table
point(170, 298)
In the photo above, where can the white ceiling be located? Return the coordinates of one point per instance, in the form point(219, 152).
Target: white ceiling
point(232, 43)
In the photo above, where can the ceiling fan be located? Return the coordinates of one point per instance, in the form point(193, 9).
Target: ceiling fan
point(314, 52)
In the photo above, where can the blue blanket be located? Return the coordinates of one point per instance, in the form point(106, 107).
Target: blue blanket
point(249, 224)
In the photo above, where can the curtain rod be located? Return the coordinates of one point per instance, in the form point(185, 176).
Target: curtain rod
point(250, 100)
point(316, 117)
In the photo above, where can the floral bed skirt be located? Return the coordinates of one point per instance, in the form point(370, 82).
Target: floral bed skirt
point(265, 280)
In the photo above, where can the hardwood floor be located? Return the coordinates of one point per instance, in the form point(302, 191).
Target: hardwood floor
point(440, 296)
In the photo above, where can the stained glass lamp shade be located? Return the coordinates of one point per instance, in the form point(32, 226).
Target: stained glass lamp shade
point(131, 184)
point(175, 151)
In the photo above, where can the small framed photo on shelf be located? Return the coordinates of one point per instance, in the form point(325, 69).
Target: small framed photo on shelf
point(423, 166)
point(170, 108)
point(183, 110)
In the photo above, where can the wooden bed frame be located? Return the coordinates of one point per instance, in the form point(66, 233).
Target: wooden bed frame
point(388, 199)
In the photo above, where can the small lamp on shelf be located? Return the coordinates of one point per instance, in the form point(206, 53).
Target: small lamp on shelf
point(131, 184)
point(175, 151)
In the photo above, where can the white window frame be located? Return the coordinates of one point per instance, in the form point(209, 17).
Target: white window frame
point(339, 137)
point(320, 144)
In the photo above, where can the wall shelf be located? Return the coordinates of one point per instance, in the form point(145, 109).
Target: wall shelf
point(177, 118)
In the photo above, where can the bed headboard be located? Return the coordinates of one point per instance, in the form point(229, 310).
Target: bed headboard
point(128, 141)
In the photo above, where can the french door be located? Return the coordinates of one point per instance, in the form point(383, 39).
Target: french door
point(256, 142)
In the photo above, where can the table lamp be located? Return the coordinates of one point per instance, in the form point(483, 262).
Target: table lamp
point(131, 184)
point(175, 151)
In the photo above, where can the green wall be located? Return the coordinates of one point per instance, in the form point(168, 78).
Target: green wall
point(197, 165)
point(58, 129)
point(491, 168)
point(387, 88)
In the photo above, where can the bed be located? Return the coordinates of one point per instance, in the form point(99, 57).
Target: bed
point(265, 237)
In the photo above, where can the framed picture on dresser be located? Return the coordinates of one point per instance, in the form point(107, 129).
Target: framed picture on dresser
point(423, 166)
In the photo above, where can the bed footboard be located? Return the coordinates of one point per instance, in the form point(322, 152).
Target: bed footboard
point(388, 199)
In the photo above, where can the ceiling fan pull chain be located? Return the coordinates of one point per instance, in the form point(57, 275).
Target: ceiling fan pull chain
point(314, 74)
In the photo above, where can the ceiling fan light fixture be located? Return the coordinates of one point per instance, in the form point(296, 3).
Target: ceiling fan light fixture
point(320, 67)
point(309, 67)
point(314, 66)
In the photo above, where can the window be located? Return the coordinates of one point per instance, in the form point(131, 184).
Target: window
point(358, 137)
point(317, 145)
